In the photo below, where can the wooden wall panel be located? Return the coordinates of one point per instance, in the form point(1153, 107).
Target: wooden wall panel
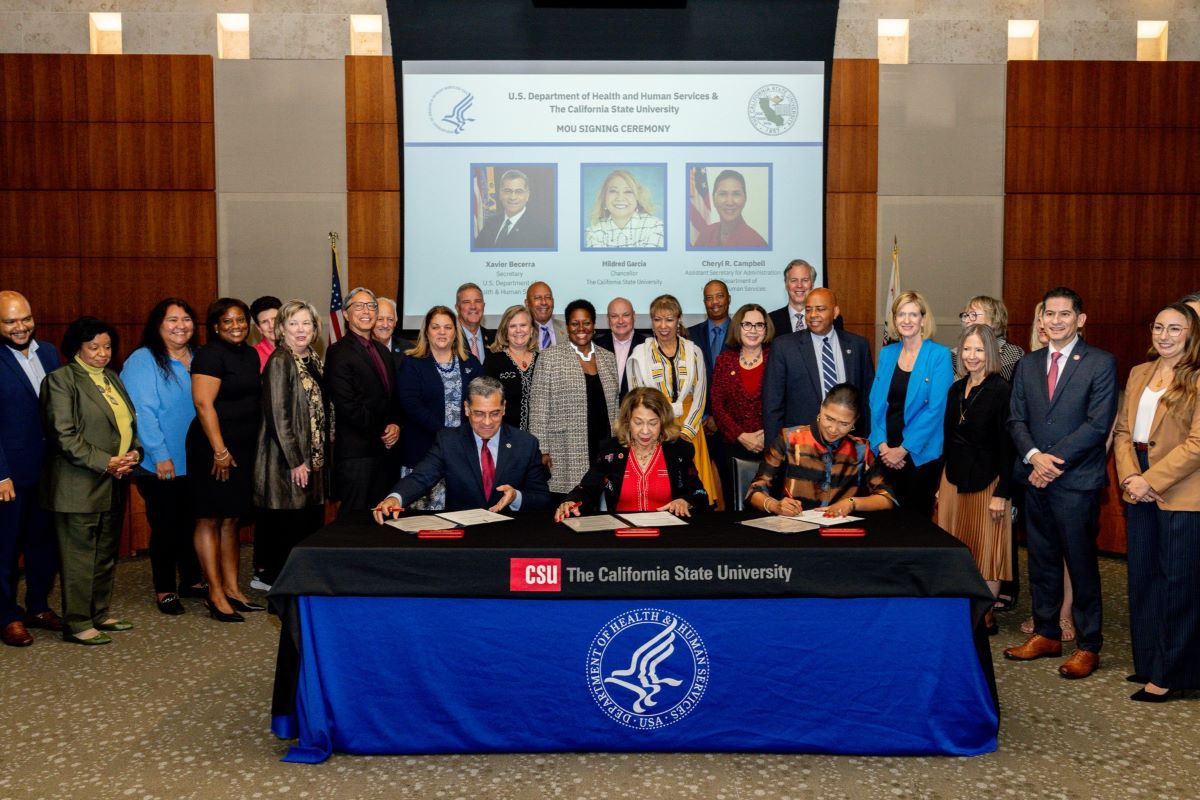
point(853, 157)
point(853, 281)
point(38, 155)
point(373, 219)
point(854, 92)
point(149, 224)
point(372, 157)
point(36, 87)
point(146, 155)
point(145, 88)
point(1103, 160)
point(52, 286)
point(1101, 226)
point(39, 224)
point(370, 89)
point(850, 226)
point(130, 287)
point(1094, 94)
point(380, 275)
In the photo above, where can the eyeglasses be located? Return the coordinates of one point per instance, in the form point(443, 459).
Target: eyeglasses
point(754, 326)
point(968, 316)
point(842, 426)
point(1174, 331)
point(363, 304)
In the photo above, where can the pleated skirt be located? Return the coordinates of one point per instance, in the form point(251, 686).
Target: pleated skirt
point(966, 516)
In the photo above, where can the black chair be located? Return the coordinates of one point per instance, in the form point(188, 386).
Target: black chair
point(743, 475)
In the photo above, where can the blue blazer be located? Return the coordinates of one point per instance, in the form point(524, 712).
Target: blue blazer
point(22, 441)
point(419, 388)
point(792, 390)
point(924, 404)
point(454, 458)
point(1075, 425)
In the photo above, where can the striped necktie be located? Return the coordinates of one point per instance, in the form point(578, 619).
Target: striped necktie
point(545, 336)
point(828, 366)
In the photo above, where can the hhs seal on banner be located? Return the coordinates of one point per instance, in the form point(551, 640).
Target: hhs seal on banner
point(647, 668)
point(448, 109)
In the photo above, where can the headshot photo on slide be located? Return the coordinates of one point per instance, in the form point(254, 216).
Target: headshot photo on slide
point(514, 207)
point(729, 206)
point(623, 206)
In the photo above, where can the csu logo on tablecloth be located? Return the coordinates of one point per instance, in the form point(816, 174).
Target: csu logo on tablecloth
point(535, 574)
point(647, 668)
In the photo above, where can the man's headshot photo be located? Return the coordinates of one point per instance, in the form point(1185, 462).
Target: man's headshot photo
point(513, 206)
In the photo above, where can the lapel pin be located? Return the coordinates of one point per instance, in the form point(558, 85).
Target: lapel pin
point(849, 351)
point(1075, 357)
point(620, 455)
point(508, 444)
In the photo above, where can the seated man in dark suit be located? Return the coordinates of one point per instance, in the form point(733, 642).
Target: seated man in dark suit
point(486, 464)
point(804, 366)
point(514, 228)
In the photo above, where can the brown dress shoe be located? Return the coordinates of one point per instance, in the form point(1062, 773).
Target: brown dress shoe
point(1081, 664)
point(1036, 646)
point(47, 620)
point(15, 635)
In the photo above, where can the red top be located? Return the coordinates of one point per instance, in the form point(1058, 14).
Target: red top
point(265, 347)
point(645, 491)
point(751, 378)
point(737, 394)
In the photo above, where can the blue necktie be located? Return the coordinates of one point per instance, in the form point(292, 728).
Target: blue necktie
point(545, 336)
point(715, 349)
point(828, 367)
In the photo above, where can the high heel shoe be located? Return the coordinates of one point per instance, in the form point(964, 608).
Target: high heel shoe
point(238, 605)
point(1142, 696)
point(221, 616)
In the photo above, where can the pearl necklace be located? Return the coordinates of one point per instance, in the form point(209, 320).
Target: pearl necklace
point(579, 353)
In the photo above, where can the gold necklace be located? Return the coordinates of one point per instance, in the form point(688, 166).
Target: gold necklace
point(1159, 379)
point(751, 363)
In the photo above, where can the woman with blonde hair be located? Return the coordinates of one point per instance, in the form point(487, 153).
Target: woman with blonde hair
point(510, 360)
point(673, 364)
point(646, 466)
point(908, 405)
point(623, 215)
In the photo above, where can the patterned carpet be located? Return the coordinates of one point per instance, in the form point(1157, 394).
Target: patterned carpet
point(179, 707)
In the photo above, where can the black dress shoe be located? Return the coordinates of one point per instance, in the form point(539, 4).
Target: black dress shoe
point(245, 608)
point(47, 620)
point(1142, 696)
point(221, 616)
point(170, 605)
point(1136, 678)
point(198, 592)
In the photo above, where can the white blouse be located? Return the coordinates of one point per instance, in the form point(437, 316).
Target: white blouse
point(1147, 405)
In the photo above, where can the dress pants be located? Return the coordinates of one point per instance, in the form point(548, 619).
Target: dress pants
point(1063, 523)
point(1164, 593)
point(26, 529)
point(172, 531)
point(915, 487)
point(88, 545)
point(360, 483)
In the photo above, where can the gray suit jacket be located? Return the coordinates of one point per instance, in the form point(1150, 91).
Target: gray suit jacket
point(81, 437)
point(1074, 425)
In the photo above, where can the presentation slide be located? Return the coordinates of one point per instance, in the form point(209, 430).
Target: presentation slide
point(609, 178)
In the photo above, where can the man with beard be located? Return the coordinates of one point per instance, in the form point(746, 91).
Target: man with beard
point(24, 527)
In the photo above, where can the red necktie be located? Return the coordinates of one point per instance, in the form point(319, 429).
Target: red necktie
point(488, 468)
point(1052, 376)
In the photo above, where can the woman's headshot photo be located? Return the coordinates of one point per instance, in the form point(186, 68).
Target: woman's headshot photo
point(729, 213)
point(622, 213)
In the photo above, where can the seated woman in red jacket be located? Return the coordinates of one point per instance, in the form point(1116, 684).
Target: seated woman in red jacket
point(645, 467)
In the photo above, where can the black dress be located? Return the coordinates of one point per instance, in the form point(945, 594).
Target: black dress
point(517, 384)
point(238, 407)
point(597, 415)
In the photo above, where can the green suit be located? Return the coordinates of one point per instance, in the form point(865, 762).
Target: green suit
point(81, 436)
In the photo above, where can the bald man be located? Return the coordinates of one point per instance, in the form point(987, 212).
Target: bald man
point(621, 337)
point(805, 365)
point(24, 527)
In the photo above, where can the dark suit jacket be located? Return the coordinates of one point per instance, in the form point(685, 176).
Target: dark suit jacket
point(453, 457)
point(363, 406)
point(82, 435)
point(792, 389)
point(424, 403)
point(699, 334)
point(781, 318)
point(605, 339)
point(530, 233)
point(22, 441)
point(978, 449)
point(1074, 425)
point(607, 474)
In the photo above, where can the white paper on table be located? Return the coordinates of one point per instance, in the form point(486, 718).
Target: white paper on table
point(595, 522)
point(652, 519)
point(817, 515)
point(421, 522)
point(780, 524)
point(473, 516)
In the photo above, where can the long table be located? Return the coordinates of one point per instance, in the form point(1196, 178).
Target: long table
point(524, 636)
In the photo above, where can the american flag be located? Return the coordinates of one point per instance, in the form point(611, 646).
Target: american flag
point(700, 210)
point(335, 301)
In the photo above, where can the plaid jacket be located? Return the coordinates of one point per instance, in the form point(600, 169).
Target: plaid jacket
point(813, 475)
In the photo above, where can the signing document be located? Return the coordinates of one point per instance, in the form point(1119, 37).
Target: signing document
point(596, 522)
point(651, 519)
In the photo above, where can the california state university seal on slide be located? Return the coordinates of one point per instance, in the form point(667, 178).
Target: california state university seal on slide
point(772, 109)
point(647, 668)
